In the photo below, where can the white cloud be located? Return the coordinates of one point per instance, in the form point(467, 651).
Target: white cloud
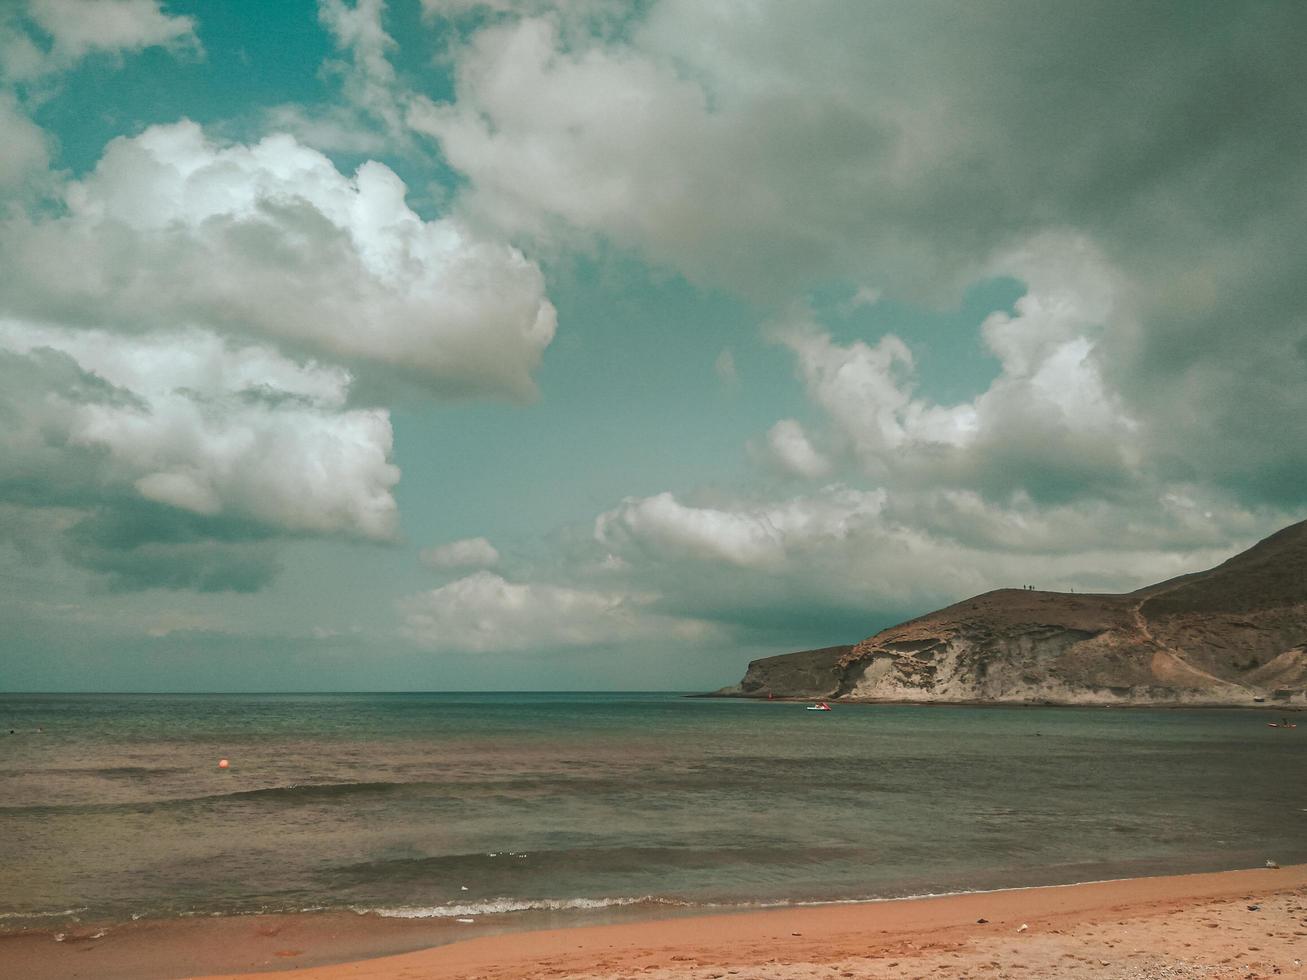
point(358, 30)
point(23, 151)
point(335, 129)
point(605, 140)
point(759, 537)
point(862, 296)
point(190, 422)
point(464, 553)
point(584, 13)
point(1048, 421)
point(484, 613)
point(764, 145)
point(456, 8)
point(1071, 289)
point(271, 239)
point(20, 59)
point(78, 28)
point(791, 450)
point(894, 149)
point(368, 116)
point(867, 393)
point(854, 557)
point(1040, 479)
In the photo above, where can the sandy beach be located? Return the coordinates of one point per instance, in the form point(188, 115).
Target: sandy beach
point(1231, 924)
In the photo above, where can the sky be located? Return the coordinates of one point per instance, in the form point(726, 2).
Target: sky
point(513, 344)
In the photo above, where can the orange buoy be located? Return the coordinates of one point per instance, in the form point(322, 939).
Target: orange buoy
point(223, 763)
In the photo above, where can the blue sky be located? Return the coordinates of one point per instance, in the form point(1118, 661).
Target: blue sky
point(490, 345)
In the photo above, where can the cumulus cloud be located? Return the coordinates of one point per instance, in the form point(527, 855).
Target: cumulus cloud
point(202, 427)
point(484, 613)
point(1044, 477)
point(186, 328)
point(369, 81)
point(693, 133)
point(606, 127)
point(862, 296)
point(584, 15)
point(180, 456)
point(368, 115)
point(81, 26)
point(43, 37)
point(464, 553)
point(271, 240)
point(902, 150)
point(456, 8)
point(756, 538)
point(843, 562)
point(24, 150)
point(1050, 424)
point(790, 449)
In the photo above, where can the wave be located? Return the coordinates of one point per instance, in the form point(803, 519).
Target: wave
point(109, 771)
point(452, 788)
point(585, 859)
point(503, 906)
point(306, 792)
point(302, 793)
point(291, 793)
point(41, 915)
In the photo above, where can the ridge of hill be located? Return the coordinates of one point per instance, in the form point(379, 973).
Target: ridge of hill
point(1235, 634)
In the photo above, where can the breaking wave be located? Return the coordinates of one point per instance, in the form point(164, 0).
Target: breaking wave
point(503, 906)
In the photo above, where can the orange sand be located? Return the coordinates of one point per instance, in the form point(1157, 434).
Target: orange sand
point(1244, 924)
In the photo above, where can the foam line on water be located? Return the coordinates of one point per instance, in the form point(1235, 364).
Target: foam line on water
point(502, 906)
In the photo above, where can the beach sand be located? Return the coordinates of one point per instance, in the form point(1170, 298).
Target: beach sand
point(1241, 924)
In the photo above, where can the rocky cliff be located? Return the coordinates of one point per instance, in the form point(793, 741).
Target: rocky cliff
point(1235, 634)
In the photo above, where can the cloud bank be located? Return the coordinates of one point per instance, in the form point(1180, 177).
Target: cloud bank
point(163, 447)
point(270, 240)
point(186, 329)
point(484, 613)
point(1105, 158)
point(909, 150)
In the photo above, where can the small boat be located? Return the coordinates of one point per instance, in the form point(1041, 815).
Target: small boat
point(819, 706)
point(1271, 724)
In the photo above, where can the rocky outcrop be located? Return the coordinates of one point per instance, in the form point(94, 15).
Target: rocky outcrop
point(807, 674)
point(1235, 634)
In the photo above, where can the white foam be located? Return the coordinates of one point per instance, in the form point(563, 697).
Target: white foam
point(503, 906)
point(40, 915)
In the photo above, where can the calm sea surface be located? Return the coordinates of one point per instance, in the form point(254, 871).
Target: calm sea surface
point(472, 804)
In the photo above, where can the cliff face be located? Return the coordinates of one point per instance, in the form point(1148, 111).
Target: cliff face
point(807, 674)
point(1229, 635)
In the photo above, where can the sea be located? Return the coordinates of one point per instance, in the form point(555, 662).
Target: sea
point(461, 806)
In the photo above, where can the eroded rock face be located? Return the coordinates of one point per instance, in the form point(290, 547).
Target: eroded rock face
point(1229, 635)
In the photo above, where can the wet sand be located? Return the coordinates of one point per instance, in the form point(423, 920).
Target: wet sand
point(1231, 924)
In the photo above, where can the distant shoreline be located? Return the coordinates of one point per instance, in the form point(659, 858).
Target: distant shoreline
point(1132, 705)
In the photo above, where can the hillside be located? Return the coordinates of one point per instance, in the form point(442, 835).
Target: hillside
point(1229, 635)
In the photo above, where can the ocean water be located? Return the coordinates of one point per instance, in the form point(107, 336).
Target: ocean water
point(471, 805)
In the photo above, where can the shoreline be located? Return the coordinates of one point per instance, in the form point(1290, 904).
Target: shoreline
point(1286, 707)
point(1200, 914)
